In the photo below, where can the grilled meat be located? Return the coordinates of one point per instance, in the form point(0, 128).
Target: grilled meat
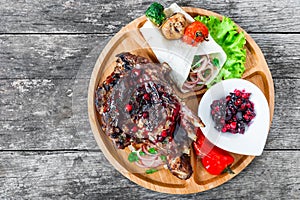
point(180, 166)
point(137, 105)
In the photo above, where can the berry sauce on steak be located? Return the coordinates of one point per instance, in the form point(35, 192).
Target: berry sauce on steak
point(137, 105)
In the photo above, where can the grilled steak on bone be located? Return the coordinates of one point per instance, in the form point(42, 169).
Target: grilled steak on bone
point(137, 105)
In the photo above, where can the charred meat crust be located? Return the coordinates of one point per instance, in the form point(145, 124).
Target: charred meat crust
point(133, 78)
point(180, 166)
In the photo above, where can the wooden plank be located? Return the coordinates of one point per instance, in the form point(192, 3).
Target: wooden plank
point(48, 56)
point(109, 16)
point(52, 114)
point(45, 114)
point(281, 54)
point(70, 56)
point(88, 175)
point(40, 114)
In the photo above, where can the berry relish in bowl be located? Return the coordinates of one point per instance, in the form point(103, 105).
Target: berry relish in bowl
point(236, 115)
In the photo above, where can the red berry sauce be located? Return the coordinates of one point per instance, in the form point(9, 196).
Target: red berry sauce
point(233, 113)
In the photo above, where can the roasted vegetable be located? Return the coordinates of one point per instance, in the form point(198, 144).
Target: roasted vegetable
point(215, 160)
point(155, 13)
point(174, 27)
point(195, 33)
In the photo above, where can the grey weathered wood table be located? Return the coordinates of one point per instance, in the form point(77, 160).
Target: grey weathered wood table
point(47, 51)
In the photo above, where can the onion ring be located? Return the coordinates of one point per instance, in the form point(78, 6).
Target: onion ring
point(196, 74)
point(149, 162)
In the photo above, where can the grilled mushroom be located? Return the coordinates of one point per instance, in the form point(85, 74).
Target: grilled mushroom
point(174, 27)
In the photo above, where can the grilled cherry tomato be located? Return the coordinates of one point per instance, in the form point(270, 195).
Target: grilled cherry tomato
point(215, 160)
point(195, 33)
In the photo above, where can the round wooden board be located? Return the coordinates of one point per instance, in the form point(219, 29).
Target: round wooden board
point(130, 39)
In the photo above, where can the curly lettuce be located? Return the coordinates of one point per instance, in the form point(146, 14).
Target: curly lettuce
point(226, 34)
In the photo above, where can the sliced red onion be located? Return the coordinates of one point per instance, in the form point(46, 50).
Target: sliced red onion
point(196, 75)
point(148, 160)
point(157, 163)
point(145, 150)
point(193, 77)
point(140, 165)
point(153, 163)
point(203, 62)
point(149, 163)
point(187, 85)
point(147, 156)
point(209, 66)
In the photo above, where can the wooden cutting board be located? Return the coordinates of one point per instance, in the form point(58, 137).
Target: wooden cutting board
point(130, 39)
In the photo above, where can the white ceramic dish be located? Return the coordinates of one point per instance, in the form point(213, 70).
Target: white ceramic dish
point(252, 142)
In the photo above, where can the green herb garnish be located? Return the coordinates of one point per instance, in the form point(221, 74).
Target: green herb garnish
point(133, 157)
point(216, 62)
point(196, 63)
point(152, 150)
point(206, 73)
point(163, 158)
point(151, 171)
point(142, 153)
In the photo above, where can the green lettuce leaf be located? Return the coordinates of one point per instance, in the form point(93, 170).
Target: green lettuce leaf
point(226, 34)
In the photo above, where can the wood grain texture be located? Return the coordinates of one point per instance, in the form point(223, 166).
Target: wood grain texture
point(88, 175)
point(54, 115)
point(104, 16)
point(70, 56)
point(48, 56)
point(56, 55)
point(51, 114)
